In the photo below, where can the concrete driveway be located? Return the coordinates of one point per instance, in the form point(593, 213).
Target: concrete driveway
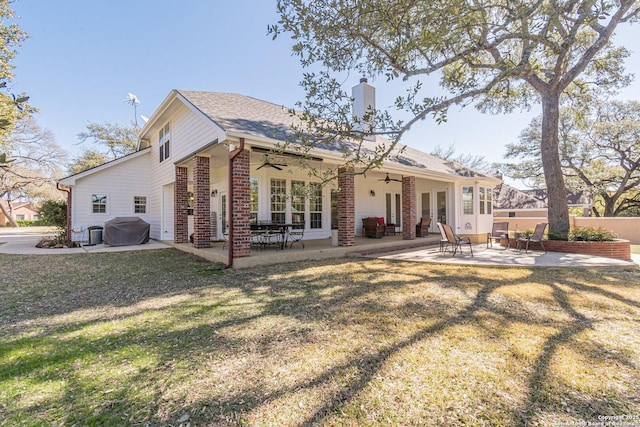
point(22, 241)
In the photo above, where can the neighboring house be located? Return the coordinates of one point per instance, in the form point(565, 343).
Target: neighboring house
point(197, 142)
point(22, 210)
point(513, 203)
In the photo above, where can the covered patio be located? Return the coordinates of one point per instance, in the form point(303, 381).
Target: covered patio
point(314, 250)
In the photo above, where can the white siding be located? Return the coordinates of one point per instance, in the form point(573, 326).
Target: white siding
point(120, 183)
point(189, 132)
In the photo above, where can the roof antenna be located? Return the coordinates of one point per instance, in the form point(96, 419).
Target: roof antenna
point(134, 101)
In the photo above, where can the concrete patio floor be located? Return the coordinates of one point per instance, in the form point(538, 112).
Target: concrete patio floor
point(498, 256)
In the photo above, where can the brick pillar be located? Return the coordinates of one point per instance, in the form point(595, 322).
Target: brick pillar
point(181, 207)
point(201, 203)
point(346, 207)
point(240, 206)
point(408, 207)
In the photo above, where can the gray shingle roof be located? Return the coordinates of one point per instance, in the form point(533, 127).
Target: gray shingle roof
point(507, 197)
point(240, 113)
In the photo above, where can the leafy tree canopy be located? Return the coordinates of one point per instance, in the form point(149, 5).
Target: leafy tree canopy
point(599, 151)
point(497, 55)
point(11, 37)
point(108, 141)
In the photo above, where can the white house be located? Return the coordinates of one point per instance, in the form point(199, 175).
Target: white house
point(206, 161)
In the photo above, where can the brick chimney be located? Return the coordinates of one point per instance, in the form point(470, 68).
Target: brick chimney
point(364, 96)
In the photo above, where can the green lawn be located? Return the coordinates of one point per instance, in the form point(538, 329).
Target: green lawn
point(161, 338)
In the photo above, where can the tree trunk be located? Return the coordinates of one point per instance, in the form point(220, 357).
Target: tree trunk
point(9, 214)
point(558, 209)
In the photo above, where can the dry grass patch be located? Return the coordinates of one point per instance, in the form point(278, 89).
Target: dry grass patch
point(158, 337)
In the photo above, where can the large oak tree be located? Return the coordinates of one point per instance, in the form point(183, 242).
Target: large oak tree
point(499, 55)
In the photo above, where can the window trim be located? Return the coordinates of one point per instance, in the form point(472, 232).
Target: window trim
point(467, 203)
point(137, 204)
point(95, 202)
point(164, 138)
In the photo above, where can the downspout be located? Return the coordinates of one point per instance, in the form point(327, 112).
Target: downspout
point(232, 156)
point(68, 240)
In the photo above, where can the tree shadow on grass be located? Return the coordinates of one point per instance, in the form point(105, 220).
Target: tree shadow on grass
point(343, 292)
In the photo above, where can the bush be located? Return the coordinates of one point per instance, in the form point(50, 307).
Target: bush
point(54, 212)
point(557, 235)
point(590, 234)
point(29, 223)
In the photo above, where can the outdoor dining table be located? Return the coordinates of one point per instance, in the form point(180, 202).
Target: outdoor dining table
point(281, 228)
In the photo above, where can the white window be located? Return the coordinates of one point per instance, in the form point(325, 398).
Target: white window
point(467, 200)
point(164, 137)
point(140, 204)
point(253, 200)
point(278, 200)
point(315, 205)
point(298, 209)
point(486, 200)
point(99, 203)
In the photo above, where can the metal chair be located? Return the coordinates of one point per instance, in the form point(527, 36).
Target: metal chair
point(296, 234)
point(536, 237)
point(499, 231)
point(455, 240)
point(444, 242)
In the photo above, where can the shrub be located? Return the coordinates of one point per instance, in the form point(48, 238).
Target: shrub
point(590, 234)
point(29, 223)
point(54, 212)
point(557, 235)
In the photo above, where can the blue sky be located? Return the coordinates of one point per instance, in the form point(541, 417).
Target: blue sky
point(84, 56)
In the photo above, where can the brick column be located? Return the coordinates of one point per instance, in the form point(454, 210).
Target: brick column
point(201, 203)
point(408, 207)
point(240, 206)
point(181, 206)
point(346, 207)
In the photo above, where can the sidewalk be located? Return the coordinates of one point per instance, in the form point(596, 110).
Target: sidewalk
point(22, 241)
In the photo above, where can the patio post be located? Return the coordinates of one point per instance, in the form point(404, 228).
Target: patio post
point(408, 207)
point(181, 206)
point(202, 203)
point(346, 207)
point(240, 210)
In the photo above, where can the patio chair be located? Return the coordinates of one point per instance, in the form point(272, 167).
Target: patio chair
point(499, 231)
point(455, 240)
point(422, 228)
point(373, 227)
point(296, 234)
point(536, 237)
point(444, 242)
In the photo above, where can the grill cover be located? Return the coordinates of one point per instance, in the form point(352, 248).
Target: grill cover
point(125, 231)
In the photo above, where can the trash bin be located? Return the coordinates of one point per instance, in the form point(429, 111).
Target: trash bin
point(95, 235)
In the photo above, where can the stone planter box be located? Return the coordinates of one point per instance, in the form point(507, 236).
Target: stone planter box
point(617, 249)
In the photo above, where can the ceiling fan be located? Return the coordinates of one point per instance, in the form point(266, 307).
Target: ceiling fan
point(270, 164)
point(388, 180)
